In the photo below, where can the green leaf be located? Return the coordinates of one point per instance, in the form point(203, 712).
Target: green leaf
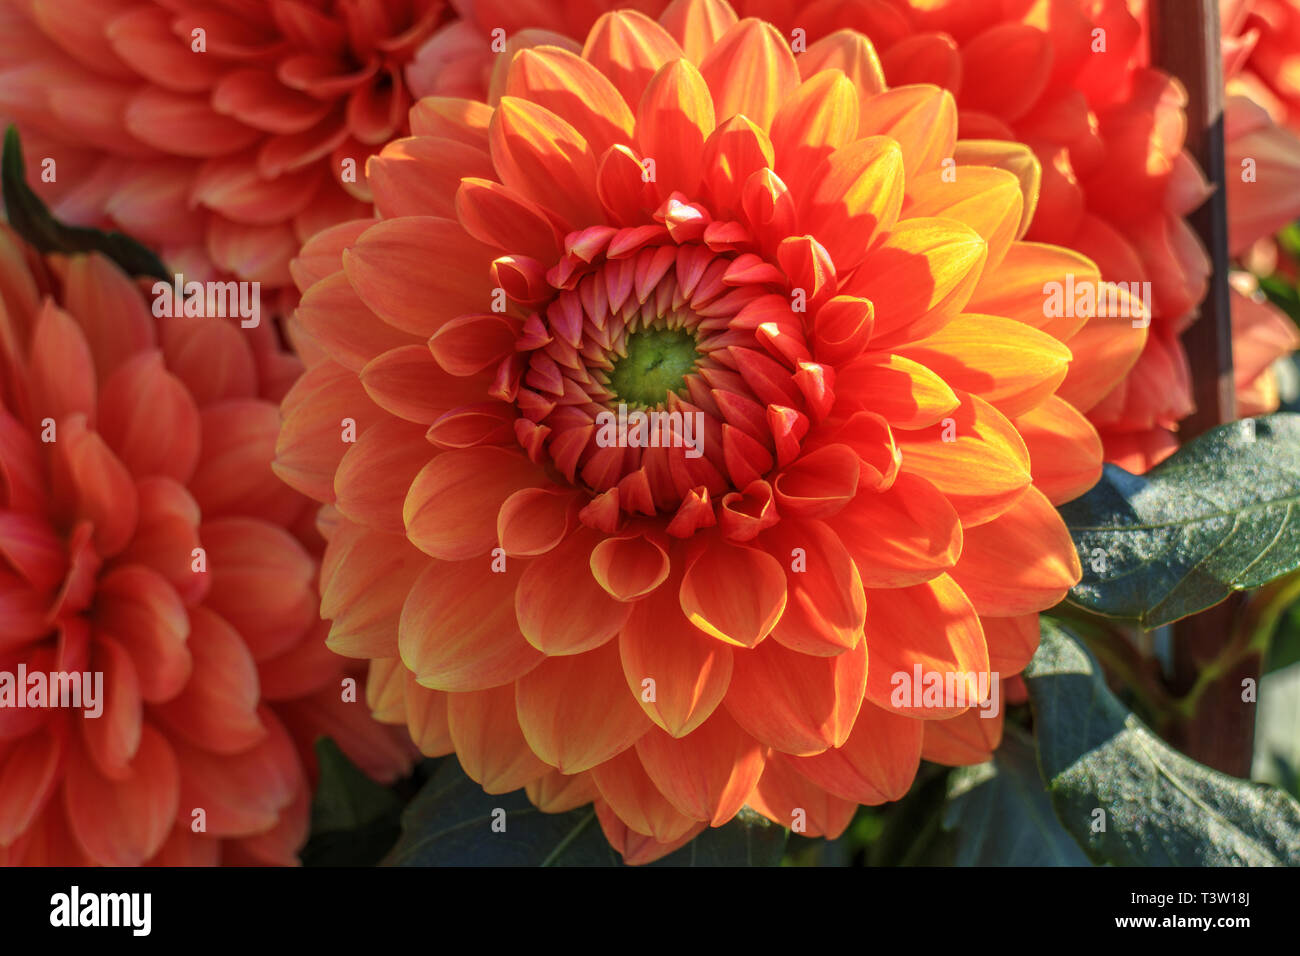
point(1000, 813)
point(32, 220)
point(1160, 807)
point(1219, 516)
point(353, 819)
point(750, 839)
point(451, 823)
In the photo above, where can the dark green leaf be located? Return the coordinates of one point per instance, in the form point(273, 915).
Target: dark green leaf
point(353, 819)
point(32, 220)
point(1000, 814)
point(748, 840)
point(1219, 516)
point(1158, 807)
point(451, 823)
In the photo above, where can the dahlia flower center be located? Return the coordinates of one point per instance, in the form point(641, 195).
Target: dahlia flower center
point(656, 363)
point(661, 378)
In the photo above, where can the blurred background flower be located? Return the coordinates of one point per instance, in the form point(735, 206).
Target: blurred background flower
point(144, 537)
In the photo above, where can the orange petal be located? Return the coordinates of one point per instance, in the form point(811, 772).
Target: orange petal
point(1104, 350)
point(418, 175)
point(751, 71)
point(988, 200)
point(574, 90)
point(234, 473)
point(904, 392)
point(1015, 158)
point(489, 744)
point(637, 849)
point(245, 793)
point(675, 671)
point(458, 631)
point(113, 737)
point(262, 582)
point(1064, 449)
point(962, 741)
point(819, 118)
point(545, 160)
point(124, 822)
point(922, 118)
point(698, 24)
point(630, 793)
point(113, 315)
point(708, 774)
point(850, 52)
point(501, 217)
point(628, 47)
point(1011, 641)
point(791, 800)
point(1010, 365)
point(875, 765)
point(452, 505)
point(149, 419)
point(426, 718)
point(371, 484)
point(61, 372)
point(825, 608)
point(556, 792)
point(104, 492)
point(981, 469)
point(577, 712)
point(409, 383)
point(33, 768)
point(561, 607)
point(794, 702)
point(919, 278)
point(1021, 562)
point(365, 577)
point(674, 118)
point(139, 608)
point(736, 594)
point(316, 412)
point(389, 266)
point(853, 198)
point(904, 535)
point(944, 638)
point(469, 344)
point(534, 521)
point(629, 568)
point(1015, 288)
point(218, 708)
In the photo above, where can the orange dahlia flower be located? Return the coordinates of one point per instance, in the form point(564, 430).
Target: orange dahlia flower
point(865, 413)
point(146, 546)
point(222, 134)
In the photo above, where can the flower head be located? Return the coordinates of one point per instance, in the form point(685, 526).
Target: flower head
point(857, 414)
point(223, 134)
point(148, 554)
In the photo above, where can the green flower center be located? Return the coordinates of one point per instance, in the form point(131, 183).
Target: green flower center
point(657, 362)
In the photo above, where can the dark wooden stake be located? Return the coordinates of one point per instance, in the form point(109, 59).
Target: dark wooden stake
point(1185, 42)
